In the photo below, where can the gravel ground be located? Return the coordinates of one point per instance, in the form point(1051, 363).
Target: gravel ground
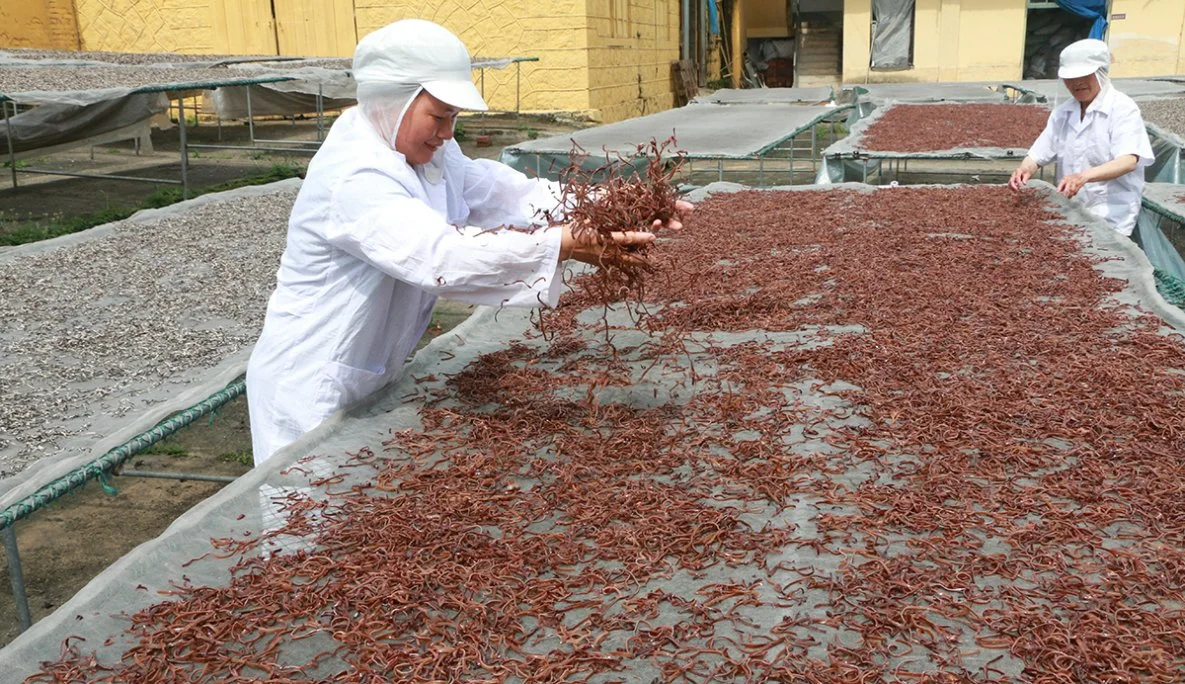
point(32, 78)
point(90, 328)
point(1168, 114)
point(126, 58)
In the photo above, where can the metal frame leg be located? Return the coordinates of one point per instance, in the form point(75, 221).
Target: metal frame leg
point(250, 117)
point(518, 80)
point(17, 578)
point(320, 113)
point(184, 143)
point(11, 147)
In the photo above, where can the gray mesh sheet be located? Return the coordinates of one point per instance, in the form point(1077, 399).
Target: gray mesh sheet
point(242, 508)
point(703, 131)
point(174, 301)
point(817, 94)
point(925, 92)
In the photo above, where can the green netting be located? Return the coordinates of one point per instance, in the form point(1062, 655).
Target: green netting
point(1170, 287)
point(99, 468)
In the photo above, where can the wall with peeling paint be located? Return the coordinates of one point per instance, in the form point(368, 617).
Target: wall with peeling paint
point(38, 24)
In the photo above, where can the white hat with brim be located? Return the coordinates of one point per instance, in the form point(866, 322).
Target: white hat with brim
point(414, 52)
point(1083, 58)
point(459, 94)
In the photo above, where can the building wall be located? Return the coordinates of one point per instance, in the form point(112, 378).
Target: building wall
point(47, 24)
point(555, 31)
point(951, 41)
point(608, 59)
point(1147, 41)
point(631, 44)
point(147, 25)
point(982, 40)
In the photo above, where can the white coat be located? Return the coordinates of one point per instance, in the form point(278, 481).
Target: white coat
point(1111, 128)
point(372, 242)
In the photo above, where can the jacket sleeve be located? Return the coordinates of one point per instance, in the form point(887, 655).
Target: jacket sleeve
point(1129, 135)
point(1044, 150)
point(498, 195)
point(373, 218)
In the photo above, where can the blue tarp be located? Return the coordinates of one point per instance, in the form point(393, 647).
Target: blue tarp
point(1091, 9)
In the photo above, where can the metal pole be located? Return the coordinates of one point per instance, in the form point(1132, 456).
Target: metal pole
point(17, 579)
point(791, 161)
point(320, 113)
point(761, 171)
point(518, 80)
point(720, 169)
point(250, 117)
point(184, 148)
point(11, 147)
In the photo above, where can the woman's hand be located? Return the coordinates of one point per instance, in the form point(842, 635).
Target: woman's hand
point(1022, 174)
point(586, 248)
point(683, 209)
point(1071, 184)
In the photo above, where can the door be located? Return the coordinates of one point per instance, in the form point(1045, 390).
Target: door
point(244, 27)
point(315, 28)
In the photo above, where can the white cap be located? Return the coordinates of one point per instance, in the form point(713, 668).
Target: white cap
point(421, 53)
point(1084, 58)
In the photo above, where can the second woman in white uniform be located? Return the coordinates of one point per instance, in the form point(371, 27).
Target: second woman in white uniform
point(1097, 138)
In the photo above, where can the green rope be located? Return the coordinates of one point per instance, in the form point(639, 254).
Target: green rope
point(104, 465)
point(1170, 287)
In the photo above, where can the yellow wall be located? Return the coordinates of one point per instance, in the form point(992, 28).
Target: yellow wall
point(1148, 40)
point(983, 40)
point(608, 59)
point(766, 19)
point(555, 31)
point(631, 45)
point(38, 24)
point(147, 25)
point(954, 40)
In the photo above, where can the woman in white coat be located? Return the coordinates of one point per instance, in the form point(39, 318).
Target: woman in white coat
point(392, 215)
point(1097, 138)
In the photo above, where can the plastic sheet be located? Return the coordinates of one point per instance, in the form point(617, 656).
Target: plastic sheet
point(54, 125)
point(231, 103)
point(703, 131)
point(236, 511)
point(892, 38)
point(1162, 227)
point(1168, 165)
